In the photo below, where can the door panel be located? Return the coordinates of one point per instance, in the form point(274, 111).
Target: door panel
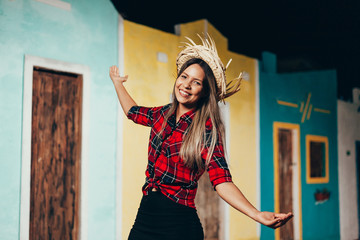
point(207, 204)
point(55, 155)
point(285, 180)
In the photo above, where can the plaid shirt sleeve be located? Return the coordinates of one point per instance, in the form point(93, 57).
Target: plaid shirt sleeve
point(218, 168)
point(143, 115)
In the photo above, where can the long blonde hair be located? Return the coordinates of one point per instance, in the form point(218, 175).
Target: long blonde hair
point(196, 138)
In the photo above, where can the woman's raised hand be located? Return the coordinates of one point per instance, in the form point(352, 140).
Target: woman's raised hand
point(273, 220)
point(125, 99)
point(115, 76)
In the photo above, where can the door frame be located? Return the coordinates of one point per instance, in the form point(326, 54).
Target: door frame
point(30, 62)
point(296, 156)
point(119, 139)
point(224, 209)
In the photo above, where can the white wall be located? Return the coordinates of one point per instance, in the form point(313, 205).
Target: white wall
point(348, 133)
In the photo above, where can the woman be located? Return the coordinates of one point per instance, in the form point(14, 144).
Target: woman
point(186, 139)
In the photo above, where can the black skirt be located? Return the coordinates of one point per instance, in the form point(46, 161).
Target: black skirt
point(160, 218)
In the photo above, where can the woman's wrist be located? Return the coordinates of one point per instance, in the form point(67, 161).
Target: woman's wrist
point(114, 81)
point(255, 215)
point(118, 84)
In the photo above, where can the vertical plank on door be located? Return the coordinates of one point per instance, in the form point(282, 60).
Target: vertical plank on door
point(285, 180)
point(55, 155)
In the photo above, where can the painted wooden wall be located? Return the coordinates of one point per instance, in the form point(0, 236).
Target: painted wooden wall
point(349, 155)
point(307, 103)
point(151, 81)
point(79, 32)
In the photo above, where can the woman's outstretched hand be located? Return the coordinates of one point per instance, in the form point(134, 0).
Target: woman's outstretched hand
point(125, 99)
point(273, 220)
point(232, 195)
point(115, 76)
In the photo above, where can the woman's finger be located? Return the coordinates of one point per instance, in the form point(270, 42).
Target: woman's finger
point(283, 215)
point(273, 222)
point(281, 222)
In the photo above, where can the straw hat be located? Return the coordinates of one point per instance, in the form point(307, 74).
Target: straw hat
point(208, 53)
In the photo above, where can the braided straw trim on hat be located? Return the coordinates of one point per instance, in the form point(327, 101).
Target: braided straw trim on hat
point(208, 53)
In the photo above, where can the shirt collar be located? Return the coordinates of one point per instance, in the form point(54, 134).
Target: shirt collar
point(184, 121)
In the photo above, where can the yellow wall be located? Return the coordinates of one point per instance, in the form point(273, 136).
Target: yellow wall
point(151, 82)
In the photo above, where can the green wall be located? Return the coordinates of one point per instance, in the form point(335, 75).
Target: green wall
point(87, 35)
point(319, 221)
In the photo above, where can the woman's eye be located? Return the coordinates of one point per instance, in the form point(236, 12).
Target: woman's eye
point(183, 76)
point(197, 83)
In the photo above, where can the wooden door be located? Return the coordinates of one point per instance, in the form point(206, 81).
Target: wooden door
point(285, 180)
point(55, 155)
point(207, 203)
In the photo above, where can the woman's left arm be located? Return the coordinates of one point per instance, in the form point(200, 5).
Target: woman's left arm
point(233, 196)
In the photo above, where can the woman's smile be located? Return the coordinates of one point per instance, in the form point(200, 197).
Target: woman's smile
point(184, 93)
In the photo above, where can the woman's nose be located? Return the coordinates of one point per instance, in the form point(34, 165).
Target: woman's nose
point(187, 84)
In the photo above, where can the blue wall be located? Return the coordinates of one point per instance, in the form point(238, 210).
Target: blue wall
point(85, 35)
point(319, 221)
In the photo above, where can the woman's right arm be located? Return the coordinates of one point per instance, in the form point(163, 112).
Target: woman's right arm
point(125, 99)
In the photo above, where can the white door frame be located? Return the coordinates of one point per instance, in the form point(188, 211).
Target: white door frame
point(119, 139)
point(30, 62)
point(224, 217)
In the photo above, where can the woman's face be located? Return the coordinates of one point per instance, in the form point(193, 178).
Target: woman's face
point(189, 86)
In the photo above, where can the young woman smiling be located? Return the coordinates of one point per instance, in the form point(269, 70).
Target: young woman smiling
point(187, 138)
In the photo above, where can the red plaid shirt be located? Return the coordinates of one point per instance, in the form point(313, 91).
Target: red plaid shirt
point(166, 170)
